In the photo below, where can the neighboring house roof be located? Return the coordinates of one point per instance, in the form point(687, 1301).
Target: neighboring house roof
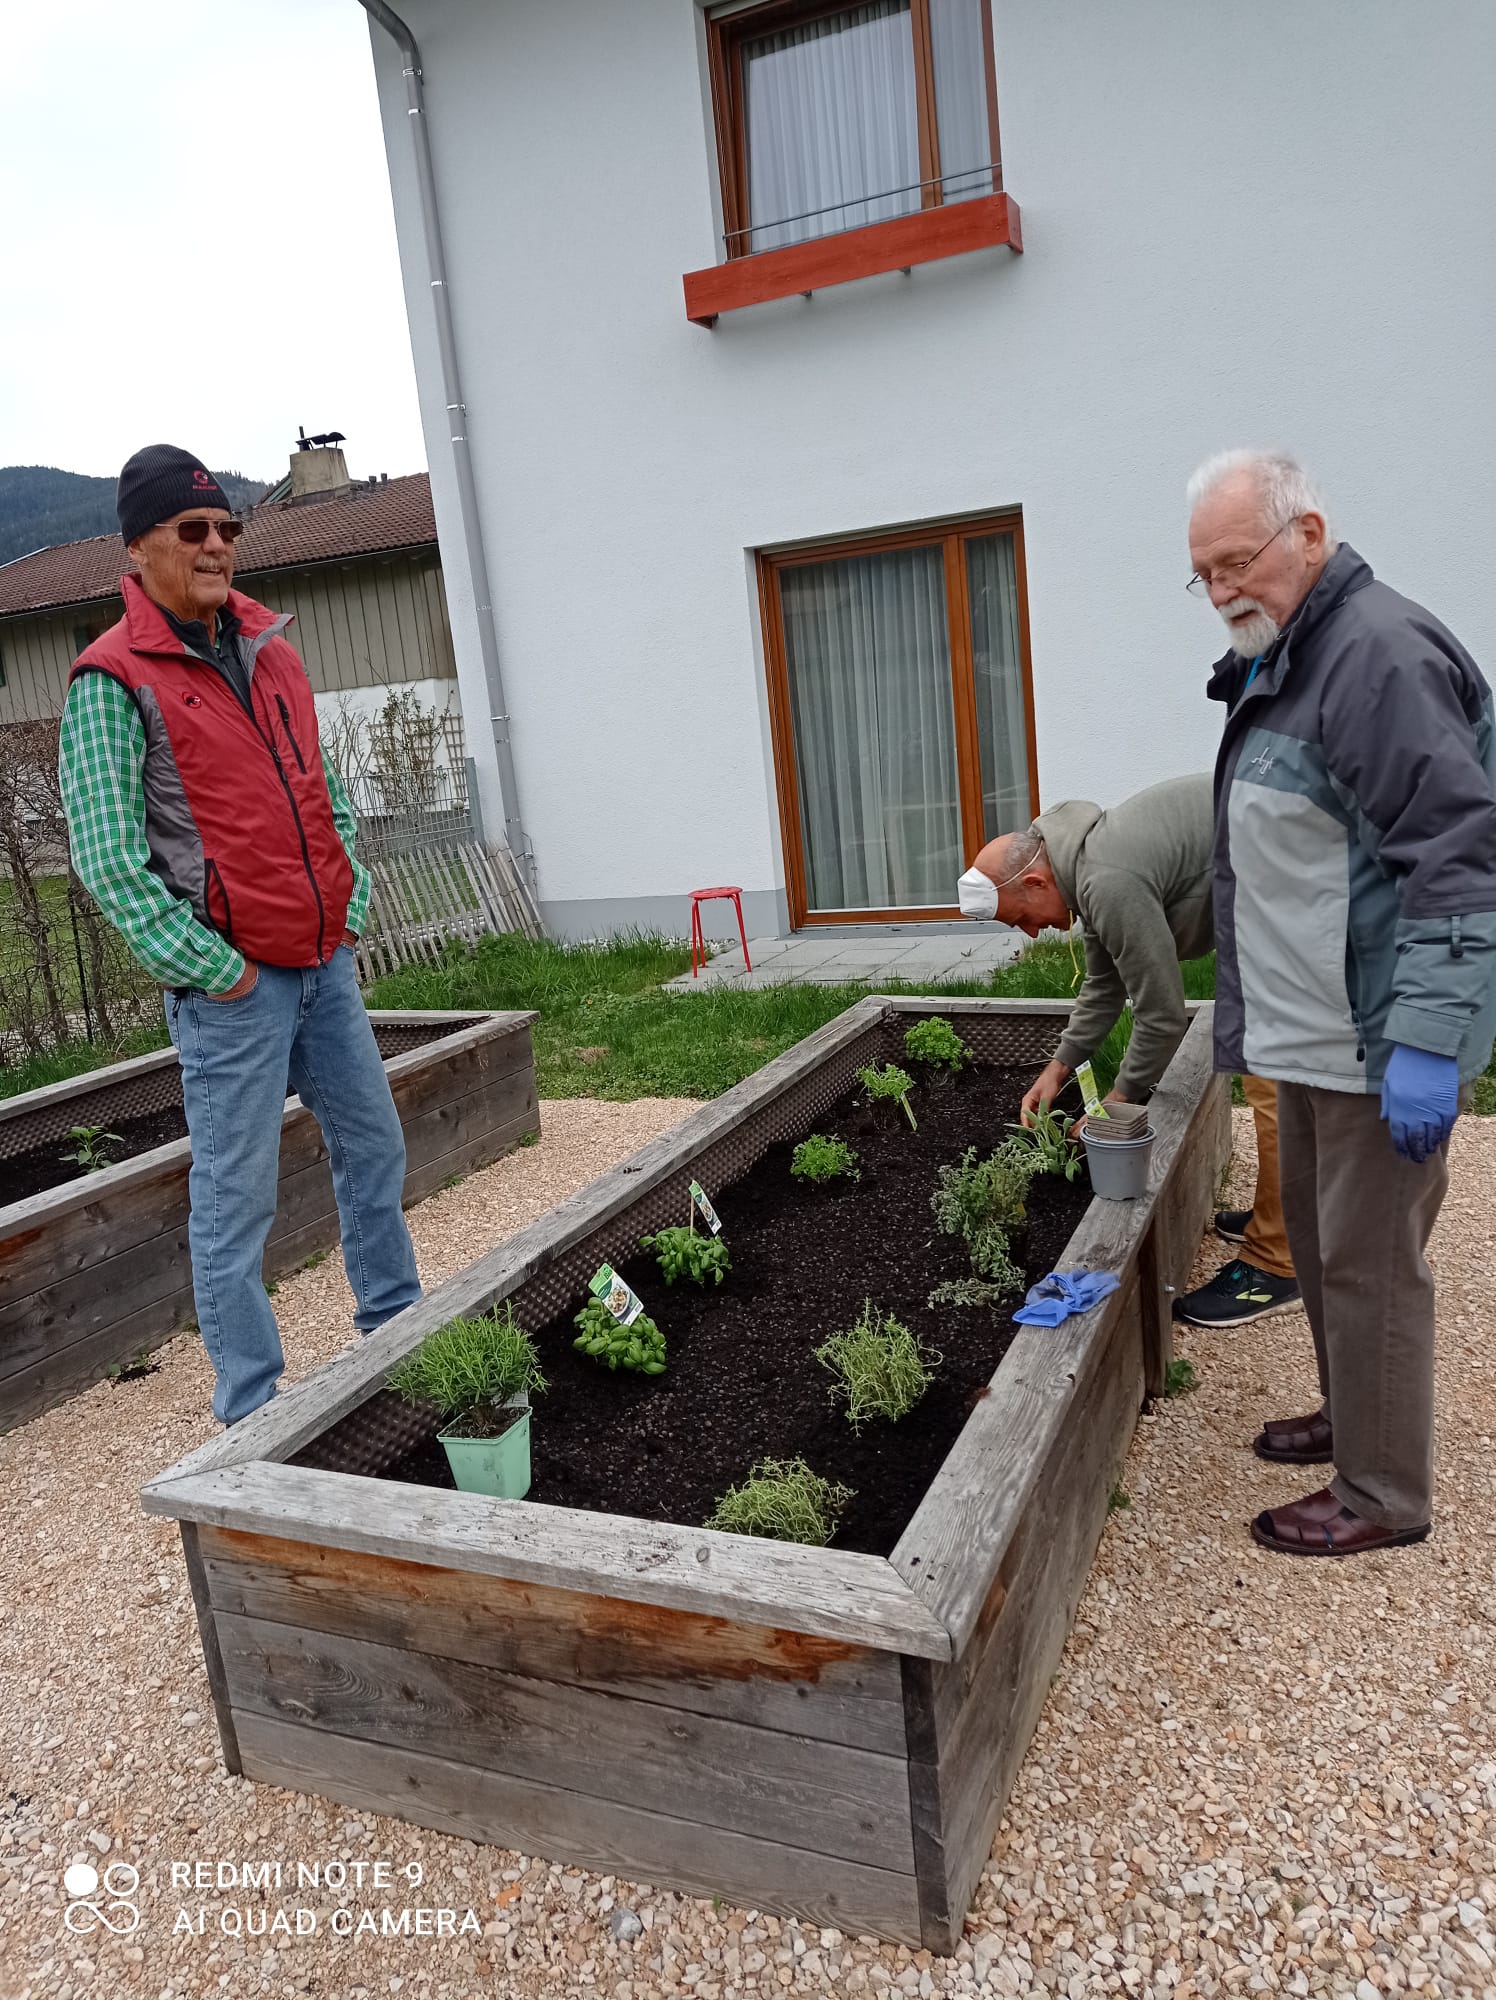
point(370, 520)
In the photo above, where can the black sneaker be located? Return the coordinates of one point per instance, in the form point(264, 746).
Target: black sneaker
point(1239, 1293)
point(1232, 1224)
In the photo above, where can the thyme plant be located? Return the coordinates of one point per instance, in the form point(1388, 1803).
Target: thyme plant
point(980, 1201)
point(882, 1369)
point(784, 1500)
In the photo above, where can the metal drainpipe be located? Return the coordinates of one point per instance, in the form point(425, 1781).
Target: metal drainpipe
point(467, 492)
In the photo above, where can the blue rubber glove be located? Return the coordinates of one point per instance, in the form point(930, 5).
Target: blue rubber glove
point(1420, 1100)
point(1062, 1293)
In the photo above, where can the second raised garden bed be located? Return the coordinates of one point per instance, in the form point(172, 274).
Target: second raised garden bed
point(591, 1676)
point(94, 1267)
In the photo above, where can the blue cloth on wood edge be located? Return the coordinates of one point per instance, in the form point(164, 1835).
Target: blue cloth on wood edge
point(1065, 1292)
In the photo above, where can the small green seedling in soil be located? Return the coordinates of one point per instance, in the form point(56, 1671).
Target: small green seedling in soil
point(528, 1139)
point(684, 1254)
point(980, 1201)
point(821, 1159)
point(936, 1042)
point(882, 1368)
point(639, 1346)
point(1046, 1144)
point(132, 1370)
point(93, 1148)
point(890, 1082)
point(972, 1291)
point(1119, 1500)
point(1180, 1378)
point(317, 1257)
point(785, 1501)
point(469, 1368)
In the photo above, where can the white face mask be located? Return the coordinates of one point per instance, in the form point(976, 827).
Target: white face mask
point(977, 895)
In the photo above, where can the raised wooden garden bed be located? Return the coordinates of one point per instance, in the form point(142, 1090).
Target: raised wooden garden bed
point(825, 1732)
point(96, 1269)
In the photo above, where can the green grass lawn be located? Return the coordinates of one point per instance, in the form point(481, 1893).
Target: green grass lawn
point(607, 1030)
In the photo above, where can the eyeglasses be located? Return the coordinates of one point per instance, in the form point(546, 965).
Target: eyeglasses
point(1199, 586)
point(198, 531)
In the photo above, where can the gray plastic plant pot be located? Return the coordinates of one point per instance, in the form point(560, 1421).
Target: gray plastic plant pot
point(498, 1466)
point(1119, 1167)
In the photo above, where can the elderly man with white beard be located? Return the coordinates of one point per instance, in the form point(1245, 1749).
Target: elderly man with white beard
point(1355, 922)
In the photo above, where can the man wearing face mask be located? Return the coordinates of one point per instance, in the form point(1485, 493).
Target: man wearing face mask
point(1355, 901)
point(209, 828)
point(1138, 876)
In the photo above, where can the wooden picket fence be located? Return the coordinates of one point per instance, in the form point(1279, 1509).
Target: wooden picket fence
point(428, 894)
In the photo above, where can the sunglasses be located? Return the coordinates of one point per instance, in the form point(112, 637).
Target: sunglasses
point(198, 531)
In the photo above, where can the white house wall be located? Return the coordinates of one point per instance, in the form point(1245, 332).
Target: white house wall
point(1261, 225)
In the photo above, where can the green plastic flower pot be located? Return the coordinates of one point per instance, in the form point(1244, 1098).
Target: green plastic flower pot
point(498, 1466)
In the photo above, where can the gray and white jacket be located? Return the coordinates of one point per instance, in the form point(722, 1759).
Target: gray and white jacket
point(1355, 843)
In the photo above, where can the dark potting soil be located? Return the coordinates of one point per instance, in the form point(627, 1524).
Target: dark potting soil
point(33, 1173)
point(742, 1382)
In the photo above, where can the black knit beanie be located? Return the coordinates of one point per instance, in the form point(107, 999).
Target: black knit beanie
point(158, 482)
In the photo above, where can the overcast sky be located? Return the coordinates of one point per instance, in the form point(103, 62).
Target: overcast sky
point(199, 247)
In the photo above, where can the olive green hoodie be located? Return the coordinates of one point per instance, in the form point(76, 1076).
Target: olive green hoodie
point(1138, 877)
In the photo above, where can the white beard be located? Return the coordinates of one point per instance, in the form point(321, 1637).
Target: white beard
point(1256, 635)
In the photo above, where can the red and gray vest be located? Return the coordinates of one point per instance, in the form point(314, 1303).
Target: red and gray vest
point(237, 813)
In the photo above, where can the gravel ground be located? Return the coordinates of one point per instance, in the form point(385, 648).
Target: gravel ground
point(1252, 1775)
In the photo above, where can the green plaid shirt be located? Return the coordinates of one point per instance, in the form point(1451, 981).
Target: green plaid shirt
point(102, 767)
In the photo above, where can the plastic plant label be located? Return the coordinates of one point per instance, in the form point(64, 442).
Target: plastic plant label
point(620, 1298)
point(1085, 1077)
point(704, 1208)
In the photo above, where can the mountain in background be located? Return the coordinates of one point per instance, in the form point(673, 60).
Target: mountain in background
point(41, 507)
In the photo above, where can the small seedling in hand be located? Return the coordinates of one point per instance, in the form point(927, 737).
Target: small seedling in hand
point(882, 1368)
point(980, 1201)
point(93, 1148)
point(470, 1368)
point(936, 1042)
point(684, 1254)
point(785, 1500)
point(890, 1081)
point(639, 1346)
point(821, 1159)
point(1046, 1143)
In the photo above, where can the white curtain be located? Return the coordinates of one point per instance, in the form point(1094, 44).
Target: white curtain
point(1002, 738)
point(831, 127)
point(961, 97)
point(868, 655)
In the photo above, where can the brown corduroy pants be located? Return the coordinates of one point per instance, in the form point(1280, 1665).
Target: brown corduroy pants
point(1359, 1218)
point(1266, 1241)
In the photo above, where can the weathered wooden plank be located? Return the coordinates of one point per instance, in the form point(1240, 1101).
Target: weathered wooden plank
point(74, 1367)
point(830, 1593)
point(207, 1631)
point(467, 1159)
point(609, 1838)
point(950, 1549)
point(971, 1720)
point(292, 1420)
point(846, 1802)
point(825, 1689)
point(87, 1302)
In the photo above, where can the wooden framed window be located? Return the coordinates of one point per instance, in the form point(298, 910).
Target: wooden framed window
point(836, 117)
point(901, 702)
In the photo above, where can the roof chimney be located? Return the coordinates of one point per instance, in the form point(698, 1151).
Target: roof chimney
point(319, 470)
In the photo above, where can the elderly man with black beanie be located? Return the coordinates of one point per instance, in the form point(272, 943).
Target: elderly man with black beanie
point(214, 834)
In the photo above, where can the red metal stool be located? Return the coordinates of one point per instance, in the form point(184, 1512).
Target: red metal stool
point(698, 936)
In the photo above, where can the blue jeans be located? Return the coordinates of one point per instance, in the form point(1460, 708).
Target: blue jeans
point(308, 1028)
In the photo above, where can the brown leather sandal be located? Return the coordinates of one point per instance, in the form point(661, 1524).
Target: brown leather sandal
point(1319, 1525)
point(1297, 1440)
